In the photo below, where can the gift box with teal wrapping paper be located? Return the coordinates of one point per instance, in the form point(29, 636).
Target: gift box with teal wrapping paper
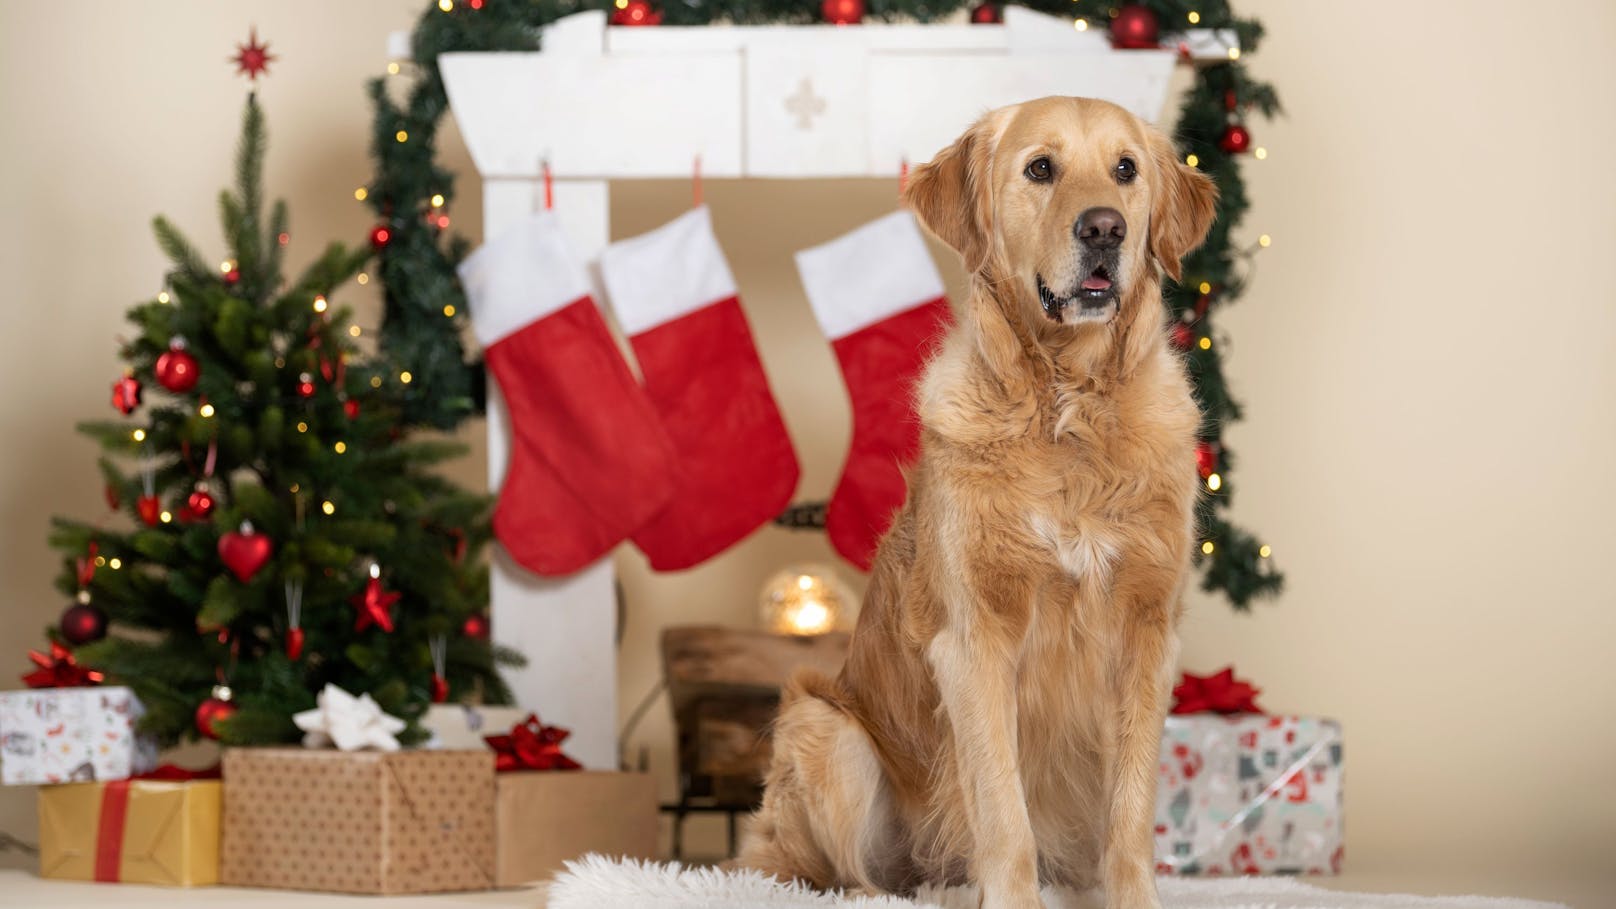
point(1249, 794)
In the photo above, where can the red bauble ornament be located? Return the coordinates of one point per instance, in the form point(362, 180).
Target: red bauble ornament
point(475, 626)
point(1235, 139)
point(637, 12)
point(232, 276)
point(294, 644)
point(1135, 27)
point(198, 505)
point(380, 235)
point(213, 711)
point(374, 605)
point(126, 394)
point(440, 689)
point(1206, 459)
point(987, 14)
point(82, 623)
point(176, 369)
point(150, 509)
point(842, 12)
point(1183, 335)
point(245, 551)
point(351, 408)
point(305, 385)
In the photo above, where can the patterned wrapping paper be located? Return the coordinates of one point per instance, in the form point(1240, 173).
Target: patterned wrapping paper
point(1249, 794)
point(358, 822)
point(59, 735)
point(134, 832)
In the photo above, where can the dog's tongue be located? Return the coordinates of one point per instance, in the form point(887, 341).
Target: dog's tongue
point(1096, 281)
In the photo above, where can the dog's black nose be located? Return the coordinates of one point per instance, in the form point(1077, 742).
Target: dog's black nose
point(1101, 228)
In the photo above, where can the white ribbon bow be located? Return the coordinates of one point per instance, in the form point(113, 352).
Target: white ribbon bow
point(349, 722)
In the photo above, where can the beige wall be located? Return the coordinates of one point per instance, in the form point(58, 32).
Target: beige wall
point(1426, 356)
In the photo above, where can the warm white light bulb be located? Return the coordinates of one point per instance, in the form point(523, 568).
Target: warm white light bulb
point(206, 410)
point(1265, 551)
point(319, 303)
point(1259, 153)
point(1081, 25)
point(328, 507)
point(437, 200)
point(1214, 482)
point(1206, 548)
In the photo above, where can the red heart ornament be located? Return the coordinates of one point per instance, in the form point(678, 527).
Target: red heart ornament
point(294, 643)
point(150, 509)
point(244, 552)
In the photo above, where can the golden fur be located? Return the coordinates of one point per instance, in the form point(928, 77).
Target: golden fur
point(999, 714)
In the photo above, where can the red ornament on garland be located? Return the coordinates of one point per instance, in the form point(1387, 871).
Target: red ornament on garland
point(126, 393)
point(440, 689)
point(1235, 140)
point(245, 551)
point(150, 509)
point(1135, 27)
point(232, 275)
point(842, 12)
point(59, 669)
point(351, 408)
point(1206, 459)
point(1183, 335)
point(176, 369)
point(82, 622)
point(987, 14)
point(374, 605)
point(636, 12)
point(213, 711)
point(294, 644)
point(305, 385)
point(475, 626)
point(380, 235)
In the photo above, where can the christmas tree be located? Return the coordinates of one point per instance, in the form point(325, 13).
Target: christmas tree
point(288, 528)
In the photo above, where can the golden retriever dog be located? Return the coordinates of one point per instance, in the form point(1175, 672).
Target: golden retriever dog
point(998, 717)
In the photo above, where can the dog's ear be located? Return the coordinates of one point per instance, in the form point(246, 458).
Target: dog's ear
point(1183, 207)
point(951, 195)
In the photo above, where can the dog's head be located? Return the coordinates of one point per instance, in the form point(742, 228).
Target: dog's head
point(1070, 202)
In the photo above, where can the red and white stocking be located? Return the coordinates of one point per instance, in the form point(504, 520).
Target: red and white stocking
point(879, 298)
point(734, 467)
point(589, 461)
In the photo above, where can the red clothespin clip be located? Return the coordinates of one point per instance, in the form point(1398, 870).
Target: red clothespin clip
point(695, 181)
point(549, 185)
point(903, 175)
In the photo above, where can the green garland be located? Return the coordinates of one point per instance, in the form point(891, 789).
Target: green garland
point(416, 265)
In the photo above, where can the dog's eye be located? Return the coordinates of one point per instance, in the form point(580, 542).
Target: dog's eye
point(1040, 170)
point(1126, 170)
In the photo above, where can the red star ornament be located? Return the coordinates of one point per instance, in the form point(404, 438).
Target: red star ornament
point(252, 59)
point(375, 605)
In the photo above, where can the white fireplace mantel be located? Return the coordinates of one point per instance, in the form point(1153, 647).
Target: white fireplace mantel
point(598, 103)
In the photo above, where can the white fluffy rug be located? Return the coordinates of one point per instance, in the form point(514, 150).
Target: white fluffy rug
point(596, 882)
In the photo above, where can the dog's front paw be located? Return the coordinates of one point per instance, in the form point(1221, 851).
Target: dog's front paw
point(1132, 890)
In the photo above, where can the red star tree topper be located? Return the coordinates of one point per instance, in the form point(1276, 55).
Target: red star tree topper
point(252, 58)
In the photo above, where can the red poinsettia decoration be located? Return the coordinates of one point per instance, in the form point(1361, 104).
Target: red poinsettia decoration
point(531, 746)
point(1220, 692)
point(59, 669)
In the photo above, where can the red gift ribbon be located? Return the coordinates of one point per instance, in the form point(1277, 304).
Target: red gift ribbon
point(109, 832)
point(174, 773)
point(531, 745)
point(1220, 692)
point(59, 669)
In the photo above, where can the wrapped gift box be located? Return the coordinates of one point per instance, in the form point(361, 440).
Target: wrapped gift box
point(547, 817)
point(358, 822)
point(132, 831)
point(1249, 794)
point(59, 735)
point(455, 726)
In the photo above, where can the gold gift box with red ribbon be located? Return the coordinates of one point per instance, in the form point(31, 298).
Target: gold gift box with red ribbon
point(131, 831)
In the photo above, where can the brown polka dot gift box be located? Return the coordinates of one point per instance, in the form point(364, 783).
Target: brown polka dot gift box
point(380, 822)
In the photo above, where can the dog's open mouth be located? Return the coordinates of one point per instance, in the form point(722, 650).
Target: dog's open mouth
point(1094, 297)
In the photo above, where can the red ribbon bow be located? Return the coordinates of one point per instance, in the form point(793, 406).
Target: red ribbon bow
point(59, 670)
point(1217, 693)
point(174, 773)
point(531, 745)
